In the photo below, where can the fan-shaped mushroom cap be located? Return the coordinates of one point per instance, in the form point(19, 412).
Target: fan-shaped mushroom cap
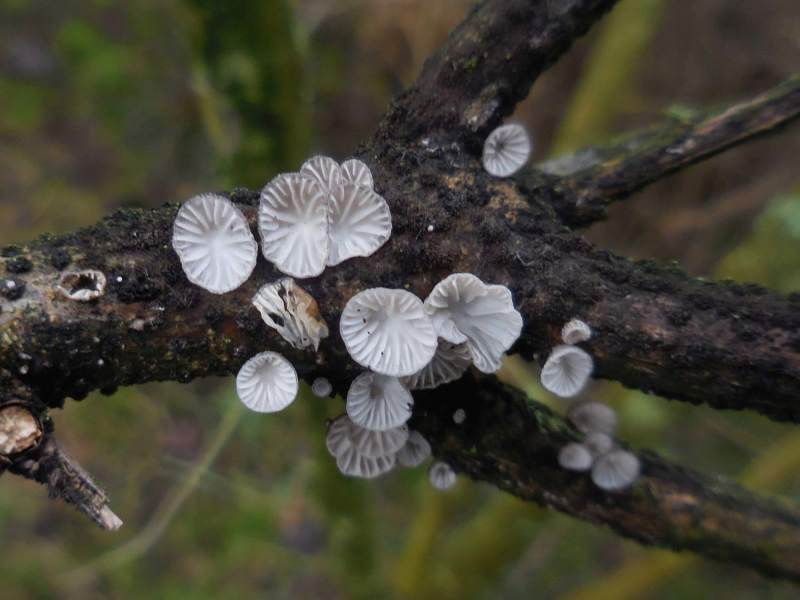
point(321, 387)
point(324, 170)
point(566, 371)
point(464, 309)
point(356, 171)
point(216, 248)
point(593, 416)
point(293, 223)
point(338, 438)
point(575, 457)
point(374, 444)
point(575, 332)
point(359, 222)
point(615, 470)
point(415, 452)
point(449, 363)
point(292, 312)
point(506, 150)
point(378, 402)
point(441, 475)
point(267, 383)
point(388, 331)
point(598, 443)
point(354, 464)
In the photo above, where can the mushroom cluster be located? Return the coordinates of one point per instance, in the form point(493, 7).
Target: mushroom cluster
point(612, 468)
point(568, 368)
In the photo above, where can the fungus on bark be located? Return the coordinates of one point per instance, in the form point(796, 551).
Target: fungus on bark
point(449, 363)
point(374, 444)
point(566, 371)
point(321, 387)
point(378, 402)
point(415, 451)
point(82, 286)
point(441, 476)
point(593, 416)
point(356, 171)
point(506, 150)
point(341, 443)
point(324, 170)
point(359, 222)
point(267, 383)
point(575, 332)
point(598, 443)
point(213, 240)
point(575, 457)
point(616, 470)
point(292, 312)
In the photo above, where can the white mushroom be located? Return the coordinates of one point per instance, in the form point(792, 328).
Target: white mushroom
point(354, 464)
point(388, 331)
point(441, 476)
point(415, 452)
point(321, 387)
point(338, 438)
point(575, 332)
point(324, 170)
point(356, 171)
point(81, 286)
point(293, 223)
point(466, 310)
point(359, 222)
point(374, 444)
point(566, 371)
point(267, 383)
point(506, 150)
point(449, 363)
point(459, 416)
point(593, 416)
point(378, 402)
point(293, 312)
point(616, 470)
point(575, 457)
point(598, 443)
point(216, 248)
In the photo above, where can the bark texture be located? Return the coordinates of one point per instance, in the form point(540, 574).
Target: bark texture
point(655, 328)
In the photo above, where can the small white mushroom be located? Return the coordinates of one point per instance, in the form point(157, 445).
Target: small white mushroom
point(449, 363)
point(566, 371)
point(616, 470)
point(359, 222)
point(378, 402)
point(593, 416)
point(338, 438)
point(293, 312)
point(598, 443)
point(506, 150)
point(575, 457)
point(459, 416)
point(82, 286)
point(415, 452)
point(388, 331)
point(321, 387)
point(356, 171)
point(354, 464)
point(213, 240)
point(267, 383)
point(293, 223)
point(374, 444)
point(466, 310)
point(324, 170)
point(575, 332)
point(441, 476)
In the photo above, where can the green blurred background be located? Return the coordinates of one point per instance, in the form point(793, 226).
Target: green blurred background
point(106, 104)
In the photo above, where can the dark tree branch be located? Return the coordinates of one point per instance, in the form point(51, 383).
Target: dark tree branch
point(591, 179)
point(488, 65)
point(512, 443)
point(655, 328)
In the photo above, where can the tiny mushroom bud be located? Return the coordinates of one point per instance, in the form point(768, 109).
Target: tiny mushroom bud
point(415, 452)
point(598, 443)
point(459, 416)
point(593, 416)
point(466, 310)
point(357, 172)
point(82, 286)
point(321, 387)
point(566, 371)
point(359, 222)
point(449, 363)
point(388, 331)
point(506, 150)
point(213, 240)
point(575, 332)
point(267, 383)
point(293, 224)
point(292, 312)
point(575, 457)
point(616, 470)
point(378, 402)
point(441, 476)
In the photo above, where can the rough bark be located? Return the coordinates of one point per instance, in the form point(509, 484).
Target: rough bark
point(655, 328)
